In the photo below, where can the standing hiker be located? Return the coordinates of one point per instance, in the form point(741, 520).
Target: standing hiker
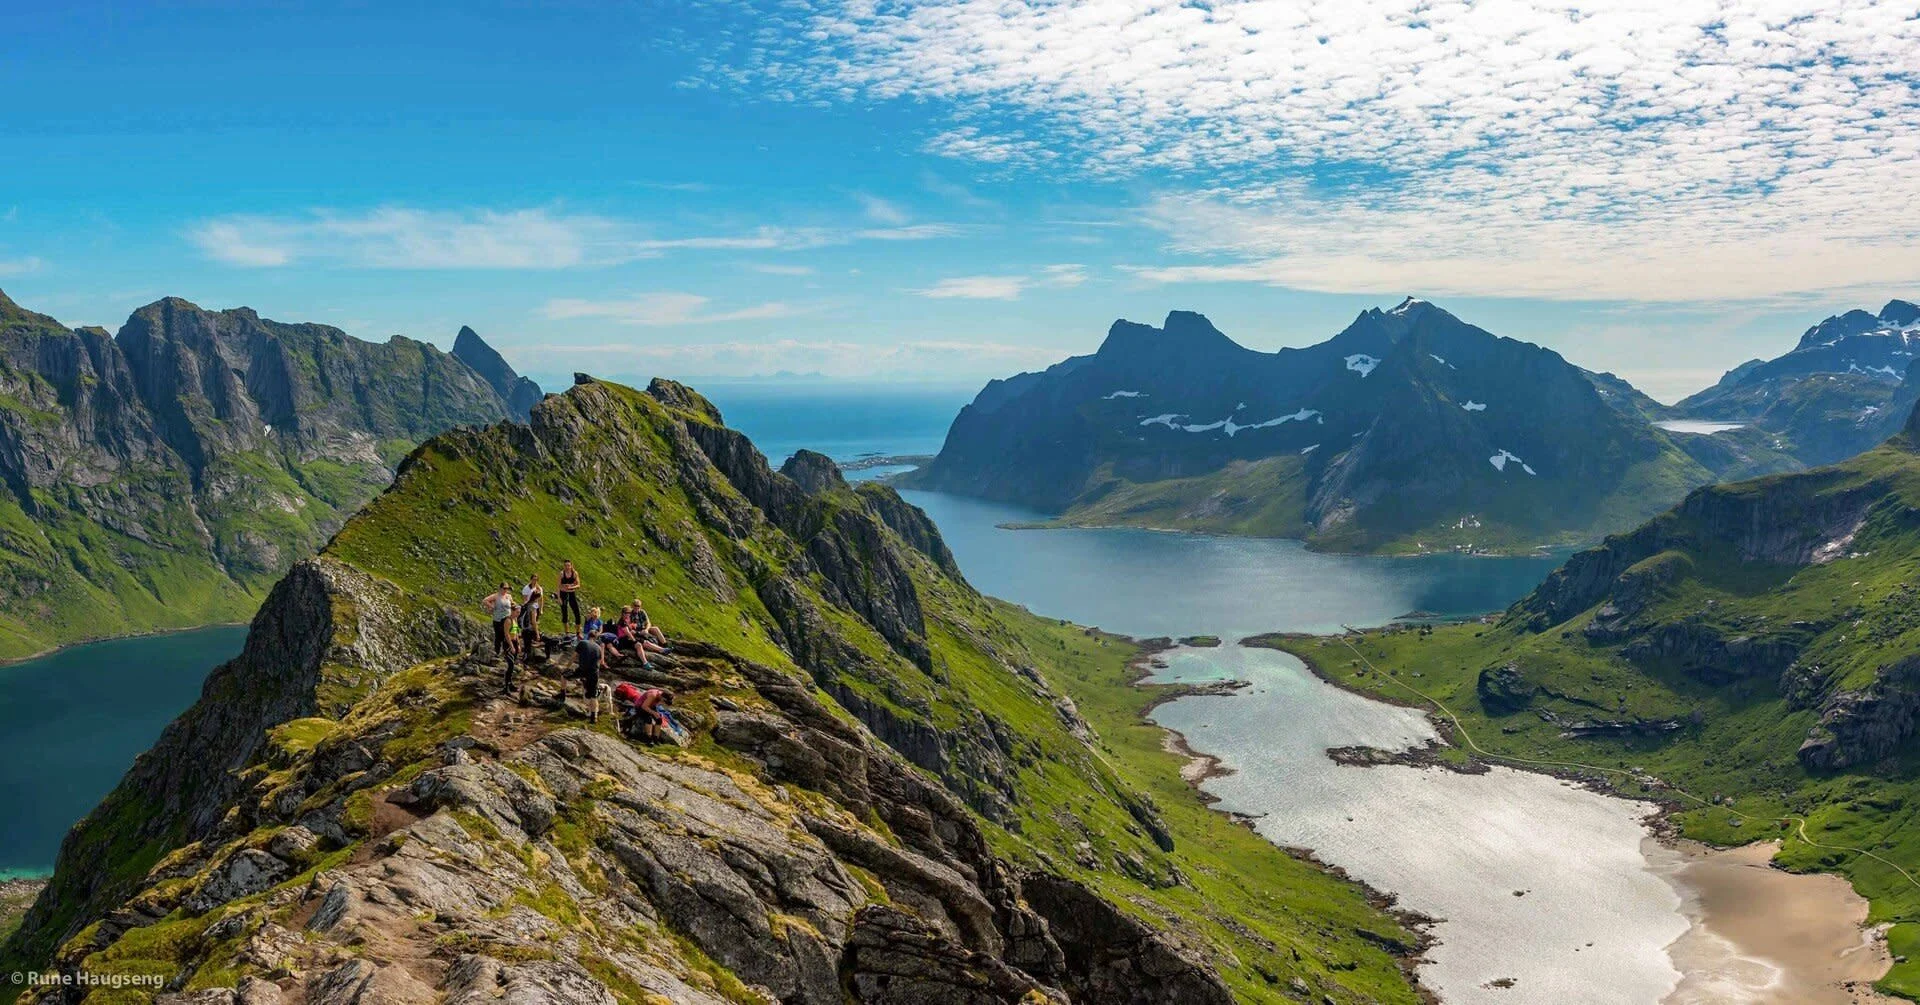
point(586, 653)
point(569, 595)
point(500, 608)
point(531, 596)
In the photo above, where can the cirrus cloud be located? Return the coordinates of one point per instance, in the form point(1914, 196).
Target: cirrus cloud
point(1528, 148)
point(399, 237)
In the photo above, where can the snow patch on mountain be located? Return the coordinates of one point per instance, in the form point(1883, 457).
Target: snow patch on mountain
point(1505, 457)
point(1310, 449)
point(1124, 394)
point(1474, 406)
point(1437, 358)
point(1231, 427)
point(1361, 363)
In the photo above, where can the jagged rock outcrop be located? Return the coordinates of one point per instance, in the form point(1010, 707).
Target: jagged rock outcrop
point(1862, 727)
point(519, 394)
point(1503, 690)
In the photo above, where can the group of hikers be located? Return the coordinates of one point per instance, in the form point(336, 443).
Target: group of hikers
point(596, 643)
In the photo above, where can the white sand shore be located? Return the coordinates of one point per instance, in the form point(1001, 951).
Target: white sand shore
point(1764, 936)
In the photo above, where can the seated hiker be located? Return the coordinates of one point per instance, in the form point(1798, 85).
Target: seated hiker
point(588, 655)
point(645, 711)
point(648, 629)
point(500, 607)
point(593, 627)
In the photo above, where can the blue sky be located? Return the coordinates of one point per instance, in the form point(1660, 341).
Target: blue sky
point(956, 190)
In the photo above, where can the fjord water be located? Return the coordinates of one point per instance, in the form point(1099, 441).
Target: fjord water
point(1537, 881)
point(76, 718)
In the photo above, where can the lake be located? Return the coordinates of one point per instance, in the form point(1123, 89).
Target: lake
point(75, 719)
point(1537, 881)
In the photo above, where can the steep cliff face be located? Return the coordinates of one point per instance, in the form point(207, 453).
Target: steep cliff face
point(1795, 584)
point(166, 476)
point(885, 799)
point(1408, 430)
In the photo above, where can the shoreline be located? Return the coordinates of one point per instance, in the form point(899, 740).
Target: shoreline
point(1808, 944)
point(1537, 551)
point(1741, 943)
point(1200, 768)
point(12, 661)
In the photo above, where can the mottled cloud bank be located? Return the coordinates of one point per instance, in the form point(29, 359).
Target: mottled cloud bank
point(1631, 149)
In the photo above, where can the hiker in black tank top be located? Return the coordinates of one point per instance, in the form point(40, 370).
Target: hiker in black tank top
point(569, 595)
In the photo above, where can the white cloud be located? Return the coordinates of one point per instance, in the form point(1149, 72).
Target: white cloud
point(1003, 287)
point(660, 309)
point(1649, 149)
point(943, 358)
point(406, 238)
point(881, 211)
point(976, 288)
point(19, 266)
point(771, 269)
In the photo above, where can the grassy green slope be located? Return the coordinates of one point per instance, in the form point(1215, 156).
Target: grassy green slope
point(1268, 498)
point(463, 516)
point(1730, 771)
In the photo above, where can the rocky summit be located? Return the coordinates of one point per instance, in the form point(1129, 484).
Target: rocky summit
point(1409, 430)
point(889, 790)
point(165, 476)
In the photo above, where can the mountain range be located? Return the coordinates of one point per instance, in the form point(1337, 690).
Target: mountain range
point(897, 791)
point(165, 476)
point(1409, 430)
point(1842, 388)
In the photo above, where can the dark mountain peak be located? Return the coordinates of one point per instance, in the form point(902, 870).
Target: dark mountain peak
point(1183, 331)
point(7, 306)
point(518, 393)
point(1189, 323)
point(813, 471)
point(1413, 306)
point(1833, 329)
point(1900, 312)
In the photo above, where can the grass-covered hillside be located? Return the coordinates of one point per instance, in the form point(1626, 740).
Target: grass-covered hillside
point(165, 477)
point(1752, 657)
point(898, 790)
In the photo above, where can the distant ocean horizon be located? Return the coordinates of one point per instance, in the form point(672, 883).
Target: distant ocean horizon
point(843, 419)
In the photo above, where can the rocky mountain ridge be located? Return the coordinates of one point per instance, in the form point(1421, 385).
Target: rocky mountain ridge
point(890, 798)
point(1840, 390)
point(165, 476)
point(1409, 429)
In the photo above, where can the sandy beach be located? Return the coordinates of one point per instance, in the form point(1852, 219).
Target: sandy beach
point(1764, 936)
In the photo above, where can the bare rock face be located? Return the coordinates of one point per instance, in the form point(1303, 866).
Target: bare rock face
point(1862, 727)
point(215, 444)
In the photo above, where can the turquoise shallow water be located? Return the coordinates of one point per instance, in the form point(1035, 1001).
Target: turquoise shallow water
point(1594, 919)
point(75, 720)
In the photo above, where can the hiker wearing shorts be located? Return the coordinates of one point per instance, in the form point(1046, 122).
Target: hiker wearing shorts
point(569, 595)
